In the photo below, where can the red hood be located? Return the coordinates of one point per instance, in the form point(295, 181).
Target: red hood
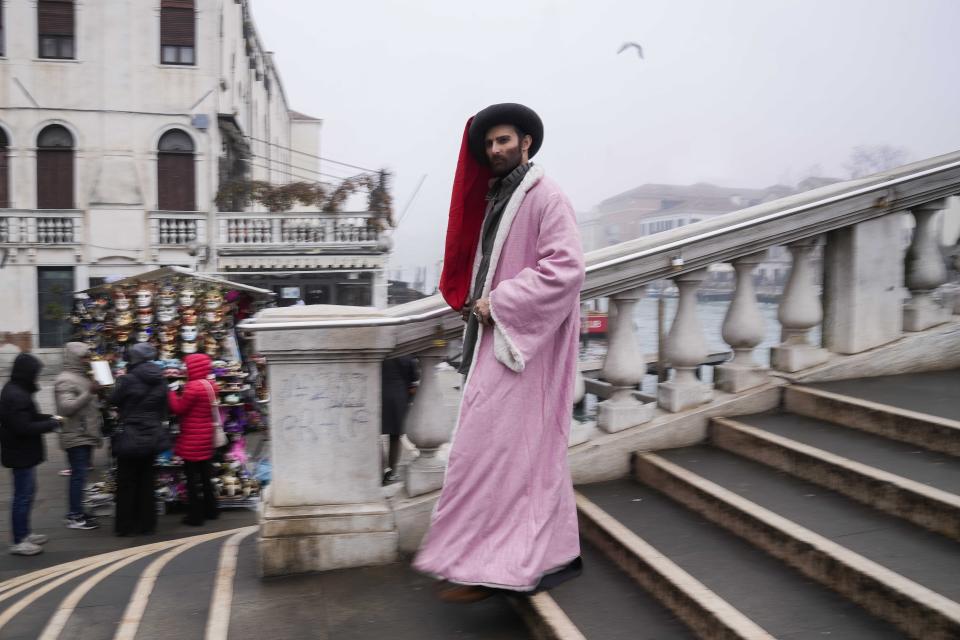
point(198, 366)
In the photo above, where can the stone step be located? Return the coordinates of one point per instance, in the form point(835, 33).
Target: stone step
point(895, 570)
point(701, 609)
point(936, 433)
point(930, 507)
point(931, 392)
point(775, 597)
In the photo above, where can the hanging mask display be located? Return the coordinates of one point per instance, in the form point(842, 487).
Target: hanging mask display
point(167, 352)
point(168, 335)
point(145, 317)
point(167, 296)
point(125, 318)
point(144, 335)
point(189, 316)
point(210, 346)
point(123, 335)
point(213, 317)
point(188, 347)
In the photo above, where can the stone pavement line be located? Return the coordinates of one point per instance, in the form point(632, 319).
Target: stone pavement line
point(33, 596)
point(58, 622)
point(723, 616)
point(218, 620)
point(133, 614)
point(28, 584)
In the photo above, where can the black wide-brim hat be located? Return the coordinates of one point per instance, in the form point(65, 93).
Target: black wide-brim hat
point(505, 113)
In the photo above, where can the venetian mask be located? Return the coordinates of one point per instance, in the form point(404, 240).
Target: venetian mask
point(188, 347)
point(99, 313)
point(213, 317)
point(168, 296)
point(188, 297)
point(210, 346)
point(144, 298)
point(121, 302)
point(168, 335)
point(143, 336)
point(188, 333)
point(166, 351)
point(189, 316)
point(125, 318)
point(123, 335)
point(213, 299)
point(232, 398)
point(80, 303)
point(145, 317)
point(166, 315)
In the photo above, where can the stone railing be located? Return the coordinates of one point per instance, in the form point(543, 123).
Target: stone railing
point(41, 227)
point(325, 361)
point(177, 228)
point(266, 230)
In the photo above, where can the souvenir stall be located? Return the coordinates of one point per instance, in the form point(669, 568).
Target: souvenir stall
point(182, 312)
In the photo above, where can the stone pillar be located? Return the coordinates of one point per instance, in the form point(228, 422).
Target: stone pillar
point(799, 311)
point(925, 269)
point(580, 432)
point(380, 287)
point(623, 367)
point(324, 508)
point(743, 330)
point(862, 298)
point(429, 425)
point(686, 349)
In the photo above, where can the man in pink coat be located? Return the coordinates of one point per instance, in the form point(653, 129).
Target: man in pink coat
point(506, 518)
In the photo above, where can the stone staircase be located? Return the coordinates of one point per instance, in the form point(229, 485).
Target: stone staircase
point(837, 516)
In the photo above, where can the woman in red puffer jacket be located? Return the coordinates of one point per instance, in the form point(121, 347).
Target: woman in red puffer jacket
point(194, 404)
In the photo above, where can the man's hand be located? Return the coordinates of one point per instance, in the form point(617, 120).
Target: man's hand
point(481, 309)
point(465, 310)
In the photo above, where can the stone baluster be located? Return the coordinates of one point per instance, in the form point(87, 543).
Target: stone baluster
point(743, 330)
point(925, 270)
point(42, 230)
point(685, 349)
point(276, 224)
point(580, 432)
point(800, 310)
point(4, 230)
point(430, 424)
point(623, 367)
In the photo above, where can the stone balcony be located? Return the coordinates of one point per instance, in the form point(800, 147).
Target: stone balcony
point(307, 240)
point(41, 227)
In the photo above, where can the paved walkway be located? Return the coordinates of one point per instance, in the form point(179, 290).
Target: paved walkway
point(187, 583)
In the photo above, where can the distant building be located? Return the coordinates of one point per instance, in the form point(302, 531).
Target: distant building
point(120, 122)
point(654, 208)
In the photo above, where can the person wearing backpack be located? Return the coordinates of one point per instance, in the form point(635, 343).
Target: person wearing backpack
point(76, 397)
point(141, 400)
point(22, 449)
point(195, 403)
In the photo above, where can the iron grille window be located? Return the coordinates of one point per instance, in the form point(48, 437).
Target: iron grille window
point(177, 32)
point(54, 297)
point(55, 29)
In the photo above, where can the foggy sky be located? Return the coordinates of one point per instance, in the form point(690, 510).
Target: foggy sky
point(743, 93)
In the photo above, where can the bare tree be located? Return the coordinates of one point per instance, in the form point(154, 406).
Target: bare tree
point(868, 159)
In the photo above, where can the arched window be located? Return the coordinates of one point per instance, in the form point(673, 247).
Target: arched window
point(175, 172)
point(4, 172)
point(55, 168)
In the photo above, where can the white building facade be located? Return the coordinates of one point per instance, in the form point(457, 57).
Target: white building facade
point(119, 122)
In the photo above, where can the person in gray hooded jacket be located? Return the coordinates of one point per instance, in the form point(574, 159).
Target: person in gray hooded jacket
point(77, 402)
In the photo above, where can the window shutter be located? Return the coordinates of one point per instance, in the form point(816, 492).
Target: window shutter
point(175, 182)
point(54, 179)
point(55, 17)
point(177, 23)
point(4, 184)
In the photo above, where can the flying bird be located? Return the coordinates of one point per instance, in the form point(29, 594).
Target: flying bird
point(628, 45)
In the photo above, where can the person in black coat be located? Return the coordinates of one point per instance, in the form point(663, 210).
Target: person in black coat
point(21, 447)
point(398, 377)
point(141, 433)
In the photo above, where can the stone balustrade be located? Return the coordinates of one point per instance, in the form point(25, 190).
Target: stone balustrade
point(303, 229)
point(856, 222)
point(38, 227)
point(169, 229)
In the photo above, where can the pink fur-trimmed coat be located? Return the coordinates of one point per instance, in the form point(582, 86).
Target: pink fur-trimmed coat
point(506, 515)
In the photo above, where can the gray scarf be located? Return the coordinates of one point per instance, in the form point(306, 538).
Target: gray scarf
point(501, 189)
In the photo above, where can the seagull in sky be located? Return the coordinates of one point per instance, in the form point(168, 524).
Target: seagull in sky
point(631, 45)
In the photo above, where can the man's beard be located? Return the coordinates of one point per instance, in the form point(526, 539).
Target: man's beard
point(508, 161)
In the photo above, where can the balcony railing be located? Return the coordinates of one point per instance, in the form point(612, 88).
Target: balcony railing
point(177, 229)
point(265, 230)
point(41, 227)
